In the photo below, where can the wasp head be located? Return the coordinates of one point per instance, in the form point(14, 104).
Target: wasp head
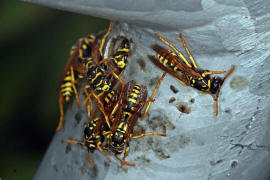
point(216, 83)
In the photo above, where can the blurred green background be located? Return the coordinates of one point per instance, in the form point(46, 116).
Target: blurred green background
point(34, 42)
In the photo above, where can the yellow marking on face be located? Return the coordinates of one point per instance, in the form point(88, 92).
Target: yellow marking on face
point(121, 64)
point(193, 81)
point(107, 100)
point(209, 83)
point(106, 88)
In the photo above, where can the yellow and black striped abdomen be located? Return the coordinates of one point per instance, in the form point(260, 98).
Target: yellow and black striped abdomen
point(110, 100)
point(132, 100)
point(66, 88)
point(168, 59)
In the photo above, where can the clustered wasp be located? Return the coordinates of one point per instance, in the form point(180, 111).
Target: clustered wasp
point(118, 105)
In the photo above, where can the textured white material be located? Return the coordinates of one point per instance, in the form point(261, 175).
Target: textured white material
point(199, 145)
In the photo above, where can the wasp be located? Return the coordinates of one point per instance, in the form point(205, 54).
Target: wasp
point(187, 73)
point(96, 126)
point(129, 107)
point(73, 71)
point(119, 59)
point(93, 138)
point(84, 63)
point(120, 55)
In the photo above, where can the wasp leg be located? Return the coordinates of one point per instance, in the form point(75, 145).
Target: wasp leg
point(136, 131)
point(147, 134)
point(111, 72)
point(78, 142)
point(213, 72)
point(61, 101)
point(92, 116)
point(216, 101)
point(113, 111)
point(214, 98)
point(99, 146)
point(189, 55)
point(151, 99)
point(89, 106)
point(99, 104)
point(101, 32)
point(101, 108)
point(124, 162)
point(104, 38)
point(74, 142)
point(74, 87)
point(90, 159)
point(175, 50)
point(87, 98)
point(117, 77)
point(104, 61)
point(229, 73)
point(105, 133)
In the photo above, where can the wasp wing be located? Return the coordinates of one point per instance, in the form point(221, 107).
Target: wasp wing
point(72, 61)
point(174, 61)
point(134, 118)
point(178, 75)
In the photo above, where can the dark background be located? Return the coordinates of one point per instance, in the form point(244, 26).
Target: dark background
point(34, 43)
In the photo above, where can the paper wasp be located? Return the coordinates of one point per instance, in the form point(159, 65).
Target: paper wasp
point(73, 70)
point(119, 59)
point(84, 63)
point(93, 138)
point(130, 105)
point(188, 74)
